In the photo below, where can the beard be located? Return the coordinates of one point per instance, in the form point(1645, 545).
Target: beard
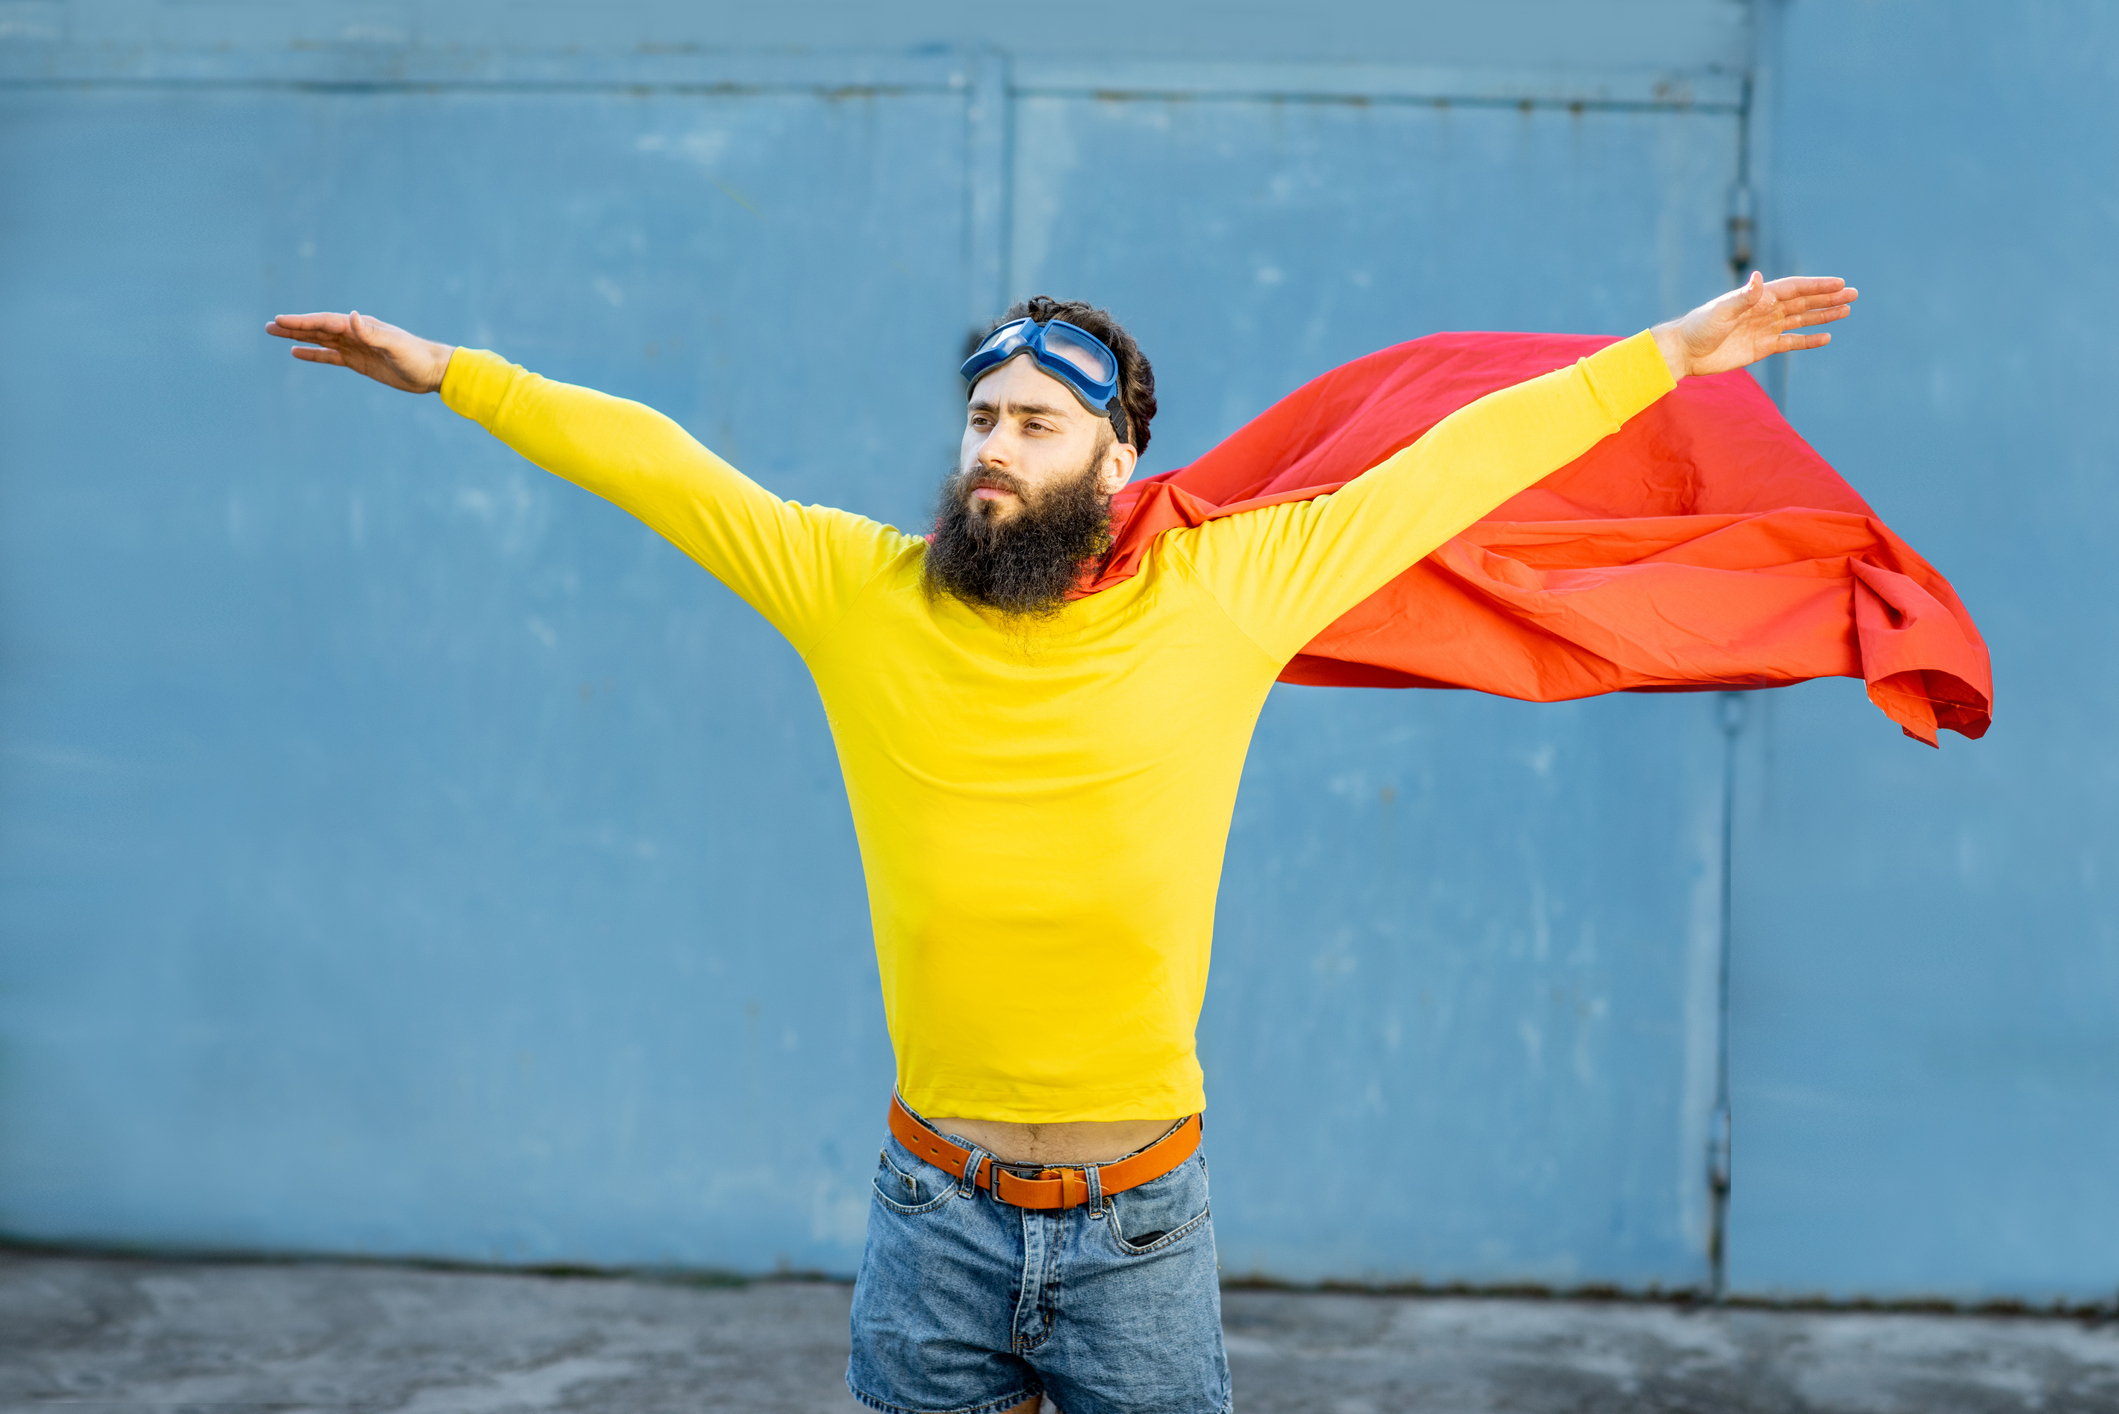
point(1023, 564)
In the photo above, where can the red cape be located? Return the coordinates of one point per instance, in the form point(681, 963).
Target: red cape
point(1704, 546)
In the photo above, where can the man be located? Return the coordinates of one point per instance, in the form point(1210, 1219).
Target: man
point(1041, 784)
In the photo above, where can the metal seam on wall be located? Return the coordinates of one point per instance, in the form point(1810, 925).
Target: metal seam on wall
point(1746, 249)
point(1387, 100)
point(365, 68)
point(989, 179)
point(500, 87)
point(853, 90)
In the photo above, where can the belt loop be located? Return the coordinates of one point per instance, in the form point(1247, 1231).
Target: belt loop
point(968, 1185)
point(1095, 1174)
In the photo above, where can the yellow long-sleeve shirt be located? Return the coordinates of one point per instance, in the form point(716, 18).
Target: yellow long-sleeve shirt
point(1042, 812)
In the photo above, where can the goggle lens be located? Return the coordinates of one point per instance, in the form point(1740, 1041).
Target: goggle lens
point(1005, 339)
point(1091, 358)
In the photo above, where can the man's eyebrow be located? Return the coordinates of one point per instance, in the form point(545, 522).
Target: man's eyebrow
point(1022, 409)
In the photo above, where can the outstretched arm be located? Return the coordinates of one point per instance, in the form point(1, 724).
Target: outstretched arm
point(796, 565)
point(1285, 572)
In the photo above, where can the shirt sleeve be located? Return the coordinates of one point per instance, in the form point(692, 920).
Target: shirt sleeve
point(1286, 572)
point(796, 565)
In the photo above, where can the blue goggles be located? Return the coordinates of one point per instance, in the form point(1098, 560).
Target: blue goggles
point(1073, 355)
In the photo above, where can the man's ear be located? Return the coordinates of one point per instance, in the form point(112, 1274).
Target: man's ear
point(1117, 469)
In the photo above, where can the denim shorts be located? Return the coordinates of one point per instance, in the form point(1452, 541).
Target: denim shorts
point(968, 1305)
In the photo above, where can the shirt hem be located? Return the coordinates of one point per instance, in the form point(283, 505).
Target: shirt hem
point(1016, 1109)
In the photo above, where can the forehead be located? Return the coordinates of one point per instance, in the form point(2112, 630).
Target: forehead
point(1020, 381)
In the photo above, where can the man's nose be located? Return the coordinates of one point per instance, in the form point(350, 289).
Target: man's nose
point(996, 449)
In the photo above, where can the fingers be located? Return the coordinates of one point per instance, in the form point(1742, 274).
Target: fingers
point(1799, 303)
point(1789, 343)
point(1808, 299)
point(352, 330)
point(309, 355)
point(326, 329)
point(1795, 286)
point(1818, 316)
point(303, 326)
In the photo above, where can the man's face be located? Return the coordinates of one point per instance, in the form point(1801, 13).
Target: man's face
point(1024, 433)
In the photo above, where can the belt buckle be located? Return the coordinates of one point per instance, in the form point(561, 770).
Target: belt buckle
point(1073, 1183)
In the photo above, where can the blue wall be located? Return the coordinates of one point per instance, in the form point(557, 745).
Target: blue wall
point(407, 854)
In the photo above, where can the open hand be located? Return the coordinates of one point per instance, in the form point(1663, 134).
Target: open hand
point(382, 351)
point(1753, 322)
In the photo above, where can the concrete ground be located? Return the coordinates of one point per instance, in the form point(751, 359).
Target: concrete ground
point(106, 1335)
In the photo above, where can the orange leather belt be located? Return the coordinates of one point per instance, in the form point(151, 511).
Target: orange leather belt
point(1064, 1187)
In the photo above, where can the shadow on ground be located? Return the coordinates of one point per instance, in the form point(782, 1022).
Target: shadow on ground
point(104, 1335)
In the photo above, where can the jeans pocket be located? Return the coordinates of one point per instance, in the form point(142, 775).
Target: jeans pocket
point(1162, 1211)
point(905, 1184)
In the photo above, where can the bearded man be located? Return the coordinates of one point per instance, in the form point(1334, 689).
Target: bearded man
point(1039, 1226)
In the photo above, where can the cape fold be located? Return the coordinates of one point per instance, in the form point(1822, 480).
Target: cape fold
point(1704, 546)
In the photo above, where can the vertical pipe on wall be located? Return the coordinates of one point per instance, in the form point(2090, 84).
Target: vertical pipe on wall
point(1718, 1132)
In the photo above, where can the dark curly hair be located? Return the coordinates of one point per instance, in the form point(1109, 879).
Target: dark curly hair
point(1136, 377)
